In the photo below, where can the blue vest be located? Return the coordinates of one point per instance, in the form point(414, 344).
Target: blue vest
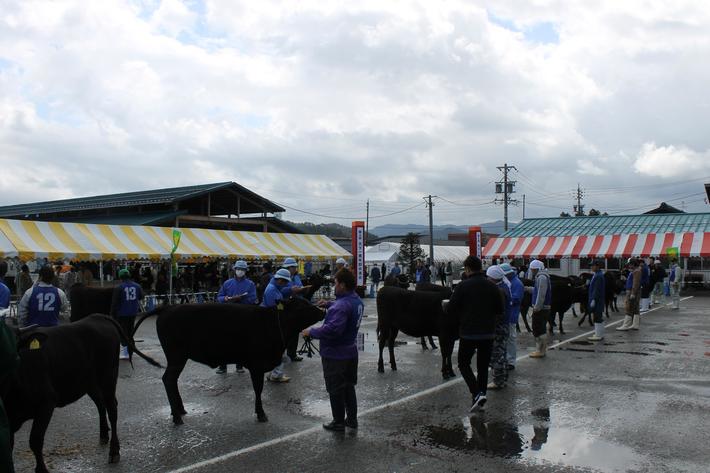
point(548, 295)
point(131, 294)
point(630, 281)
point(44, 306)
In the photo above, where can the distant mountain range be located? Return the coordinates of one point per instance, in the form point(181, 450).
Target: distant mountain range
point(441, 232)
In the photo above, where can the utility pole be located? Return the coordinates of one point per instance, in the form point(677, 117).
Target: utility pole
point(523, 206)
point(506, 187)
point(579, 208)
point(431, 229)
point(367, 221)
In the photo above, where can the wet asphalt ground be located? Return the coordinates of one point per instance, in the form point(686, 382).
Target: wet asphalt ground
point(636, 402)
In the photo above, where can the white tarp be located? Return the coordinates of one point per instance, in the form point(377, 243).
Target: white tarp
point(387, 253)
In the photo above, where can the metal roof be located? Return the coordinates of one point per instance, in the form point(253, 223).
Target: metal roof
point(130, 199)
point(611, 225)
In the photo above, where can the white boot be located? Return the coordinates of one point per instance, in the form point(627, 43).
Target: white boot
point(645, 304)
point(635, 323)
point(540, 351)
point(628, 320)
point(598, 333)
point(124, 353)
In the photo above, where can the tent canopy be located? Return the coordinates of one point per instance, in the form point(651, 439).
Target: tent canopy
point(599, 246)
point(388, 252)
point(24, 239)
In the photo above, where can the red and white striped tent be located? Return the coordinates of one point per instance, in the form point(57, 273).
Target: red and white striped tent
point(599, 246)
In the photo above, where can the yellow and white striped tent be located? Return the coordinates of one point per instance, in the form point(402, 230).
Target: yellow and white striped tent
point(25, 240)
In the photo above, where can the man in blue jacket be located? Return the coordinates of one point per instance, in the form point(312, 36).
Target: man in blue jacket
point(4, 290)
point(516, 297)
point(272, 296)
point(338, 350)
point(596, 301)
point(237, 290)
point(293, 288)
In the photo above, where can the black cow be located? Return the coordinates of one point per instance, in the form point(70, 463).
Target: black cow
point(58, 366)
point(445, 291)
point(612, 288)
point(402, 281)
point(206, 333)
point(417, 314)
point(87, 300)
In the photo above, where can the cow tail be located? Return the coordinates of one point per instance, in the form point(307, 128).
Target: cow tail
point(129, 343)
point(144, 316)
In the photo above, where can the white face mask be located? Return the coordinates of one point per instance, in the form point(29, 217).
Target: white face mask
point(239, 273)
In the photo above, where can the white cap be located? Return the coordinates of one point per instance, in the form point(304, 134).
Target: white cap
point(495, 272)
point(537, 264)
point(283, 274)
point(290, 263)
point(341, 261)
point(657, 261)
point(241, 264)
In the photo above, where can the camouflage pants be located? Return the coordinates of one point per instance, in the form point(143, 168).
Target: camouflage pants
point(499, 360)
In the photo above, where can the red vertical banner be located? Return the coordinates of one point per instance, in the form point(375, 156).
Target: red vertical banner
point(475, 247)
point(358, 247)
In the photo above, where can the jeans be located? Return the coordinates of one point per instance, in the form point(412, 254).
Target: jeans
point(340, 380)
point(499, 358)
point(511, 344)
point(467, 348)
point(657, 292)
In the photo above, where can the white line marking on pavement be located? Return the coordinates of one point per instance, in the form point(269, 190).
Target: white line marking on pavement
point(411, 397)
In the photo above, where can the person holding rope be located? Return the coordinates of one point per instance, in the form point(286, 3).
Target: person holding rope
point(237, 290)
point(338, 350)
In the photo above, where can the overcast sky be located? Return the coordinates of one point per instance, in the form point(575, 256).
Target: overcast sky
point(320, 105)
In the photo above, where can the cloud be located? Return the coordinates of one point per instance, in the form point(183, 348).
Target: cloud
point(310, 102)
point(671, 161)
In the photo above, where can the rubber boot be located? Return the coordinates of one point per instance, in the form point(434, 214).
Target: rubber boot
point(628, 320)
point(539, 352)
point(645, 304)
point(543, 345)
point(598, 333)
point(635, 323)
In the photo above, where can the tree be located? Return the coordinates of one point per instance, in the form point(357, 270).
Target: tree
point(594, 213)
point(565, 214)
point(410, 251)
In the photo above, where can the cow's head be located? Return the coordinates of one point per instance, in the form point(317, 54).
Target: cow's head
point(27, 385)
point(298, 314)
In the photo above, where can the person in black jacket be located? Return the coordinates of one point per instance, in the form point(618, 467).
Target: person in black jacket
point(478, 304)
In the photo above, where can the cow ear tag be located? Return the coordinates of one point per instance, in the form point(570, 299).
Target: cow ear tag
point(34, 344)
point(280, 306)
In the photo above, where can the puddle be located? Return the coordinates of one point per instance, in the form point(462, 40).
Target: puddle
point(607, 351)
point(538, 442)
point(319, 408)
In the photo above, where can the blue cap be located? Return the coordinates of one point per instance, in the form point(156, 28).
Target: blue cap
point(283, 274)
point(241, 264)
point(289, 262)
point(507, 269)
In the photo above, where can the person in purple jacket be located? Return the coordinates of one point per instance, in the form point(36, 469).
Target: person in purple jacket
point(338, 350)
